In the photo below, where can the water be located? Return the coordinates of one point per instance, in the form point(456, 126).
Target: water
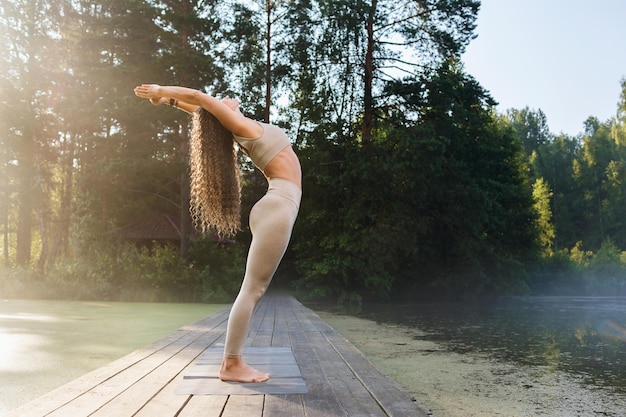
point(580, 340)
point(45, 344)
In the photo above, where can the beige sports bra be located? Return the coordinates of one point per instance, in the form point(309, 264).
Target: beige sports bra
point(264, 148)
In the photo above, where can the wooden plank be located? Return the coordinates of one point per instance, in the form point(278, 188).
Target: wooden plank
point(102, 394)
point(261, 339)
point(244, 406)
point(315, 321)
point(149, 385)
point(321, 400)
point(304, 321)
point(367, 385)
point(203, 406)
point(391, 397)
point(280, 335)
point(354, 398)
point(267, 321)
point(283, 406)
point(167, 403)
point(388, 394)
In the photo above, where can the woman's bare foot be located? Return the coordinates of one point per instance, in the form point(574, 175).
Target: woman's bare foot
point(235, 370)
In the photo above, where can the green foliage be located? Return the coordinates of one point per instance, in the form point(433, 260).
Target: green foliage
point(557, 274)
point(219, 269)
point(542, 197)
point(579, 271)
point(127, 273)
point(531, 127)
point(606, 271)
point(361, 236)
point(425, 206)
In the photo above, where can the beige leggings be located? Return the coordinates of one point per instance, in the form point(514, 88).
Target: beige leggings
point(271, 223)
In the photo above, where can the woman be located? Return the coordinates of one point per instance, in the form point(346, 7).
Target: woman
point(215, 198)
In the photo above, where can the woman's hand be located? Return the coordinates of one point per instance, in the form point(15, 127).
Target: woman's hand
point(149, 91)
point(157, 101)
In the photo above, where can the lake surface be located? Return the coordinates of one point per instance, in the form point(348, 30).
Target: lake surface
point(579, 342)
point(45, 344)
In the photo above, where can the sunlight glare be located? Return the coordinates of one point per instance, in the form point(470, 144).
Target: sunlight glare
point(12, 346)
point(29, 317)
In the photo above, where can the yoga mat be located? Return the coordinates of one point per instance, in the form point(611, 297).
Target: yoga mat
point(285, 377)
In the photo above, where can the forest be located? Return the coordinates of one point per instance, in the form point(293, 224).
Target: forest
point(413, 184)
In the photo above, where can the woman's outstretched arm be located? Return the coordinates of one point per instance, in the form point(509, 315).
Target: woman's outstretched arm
point(226, 111)
point(158, 101)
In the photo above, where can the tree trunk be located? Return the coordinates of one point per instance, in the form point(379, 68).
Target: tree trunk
point(185, 186)
point(42, 212)
point(268, 61)
point(60, 248)
point(5, 220)
point(368, 101)
point(25, 202)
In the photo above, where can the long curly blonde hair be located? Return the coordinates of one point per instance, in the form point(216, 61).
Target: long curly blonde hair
point(215, 179)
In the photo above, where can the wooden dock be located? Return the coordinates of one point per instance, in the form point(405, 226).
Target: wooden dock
point(339, 379)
